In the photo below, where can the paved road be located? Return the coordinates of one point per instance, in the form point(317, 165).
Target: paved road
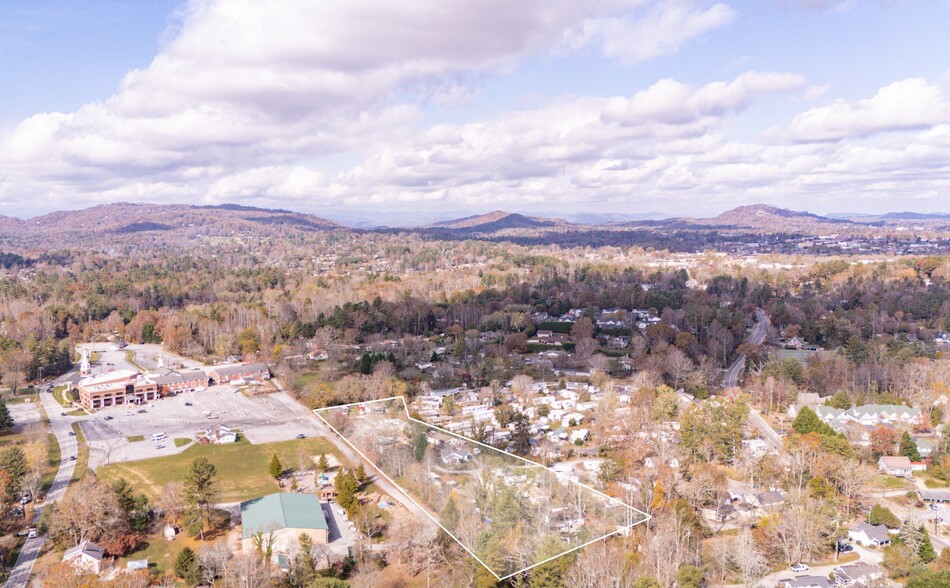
point(68, 446)
point(756, 338)
point(765, 429)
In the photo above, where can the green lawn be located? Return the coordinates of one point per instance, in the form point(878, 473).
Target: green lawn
point(135, 438)
point(82, 455)
point(182, 441)
point(242, 467)
point(53, 456)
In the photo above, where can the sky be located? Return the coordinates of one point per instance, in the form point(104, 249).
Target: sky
point(381, 112)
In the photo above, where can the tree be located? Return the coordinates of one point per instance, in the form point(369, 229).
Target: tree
point(361, 477)
point(6, 421)
point(690, 576)
point(171, 503)
point(749, 559)
point(275, 468)
point(552, 573)
point(89, 511)
point(808, 422)
point(881, 515)
point(840, 400)
point(908, 447)
point(926, 550)
point(883, 440)
point(346, 487)
point(199, 492)
point(323, 464)
point(450, 514)
point(419, 445)
point(134, 506)
point(521, 437)
point(13, 461)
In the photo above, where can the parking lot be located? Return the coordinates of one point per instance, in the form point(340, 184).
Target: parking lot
point(261, 419)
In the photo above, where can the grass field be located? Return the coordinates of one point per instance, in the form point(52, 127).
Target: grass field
point(135, 438)
point(82, 455)
point(242, 467)
point(53, 455)
point(182, 441)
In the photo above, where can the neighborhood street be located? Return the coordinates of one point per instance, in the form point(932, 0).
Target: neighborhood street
point(756, 337)
point(61, 427)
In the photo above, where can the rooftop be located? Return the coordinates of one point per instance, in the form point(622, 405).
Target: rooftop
point(281, 511)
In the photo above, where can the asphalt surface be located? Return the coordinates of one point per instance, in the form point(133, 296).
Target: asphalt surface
point(61, 427)
point(756, 337)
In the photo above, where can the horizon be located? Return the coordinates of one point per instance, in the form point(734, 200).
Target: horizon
point(605, 218)
point(687, 108)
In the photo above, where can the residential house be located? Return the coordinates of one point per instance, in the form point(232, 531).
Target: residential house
point(869, 535)
point(85, 556)
point(895, 465)
point(806, 582)
point(871, 415)
point(857, 574)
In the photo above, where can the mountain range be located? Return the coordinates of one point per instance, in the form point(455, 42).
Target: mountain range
point(181, 220)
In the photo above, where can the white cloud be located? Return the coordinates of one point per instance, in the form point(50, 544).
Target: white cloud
point(661, 29)
point(908, 104)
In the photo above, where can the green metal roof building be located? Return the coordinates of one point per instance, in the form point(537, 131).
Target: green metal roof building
point(298, 513)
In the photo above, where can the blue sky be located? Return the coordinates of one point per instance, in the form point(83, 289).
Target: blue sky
point(381, 112)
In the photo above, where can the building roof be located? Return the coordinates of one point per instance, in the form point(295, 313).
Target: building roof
point(170, 377)
point(875, 532)
point(239, 369)
point(808, 582)
point(934, 494)
point(87, 548)
point(896, 462)
point(281, 511)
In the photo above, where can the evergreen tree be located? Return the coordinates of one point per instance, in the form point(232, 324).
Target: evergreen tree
point(908, 447)
point(361, 477)
point(808, 422)
point(323, 464)
point(450, 514)
point(881, 515)
point(926, 550)
point(553, 573)
point(419, 445)
point(346, 487)
point(199, 491)
point(6, 421)
point(840, 399)
point(187, 567)
point(276, 468)
point(13, 462)
point(521, 439)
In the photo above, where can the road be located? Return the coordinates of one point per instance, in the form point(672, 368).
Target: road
point(765, 430)
point(756, 337)
point(61, 426)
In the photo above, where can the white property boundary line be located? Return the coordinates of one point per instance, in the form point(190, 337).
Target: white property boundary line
point(646, 517)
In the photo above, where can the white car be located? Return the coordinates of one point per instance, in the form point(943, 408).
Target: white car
point(31, 534)
point(799, 567)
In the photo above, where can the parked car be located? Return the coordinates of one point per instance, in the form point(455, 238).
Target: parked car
point(141, 411)
point(31, 534)
point(189, 404)
point(108, 418)
point(933, 506)
point(16, 511)
point(62, 414)
point(24, 499)
point(799, 567)
point(72, 433)
point(72, 458)
point(301, 436)
point(845, 548)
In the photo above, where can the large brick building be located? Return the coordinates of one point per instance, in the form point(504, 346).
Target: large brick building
point(115, 388)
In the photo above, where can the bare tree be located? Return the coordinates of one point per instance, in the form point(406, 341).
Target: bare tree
point(749, 559)
point(669, 547)
point(247, 571)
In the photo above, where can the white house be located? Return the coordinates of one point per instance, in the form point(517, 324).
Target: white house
point(86, 556)
point(869, 535)
point(895, 465)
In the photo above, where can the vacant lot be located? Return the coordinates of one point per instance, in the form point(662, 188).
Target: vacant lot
point(242, 467)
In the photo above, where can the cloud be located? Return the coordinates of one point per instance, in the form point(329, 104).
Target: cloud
point(663, 28)
point(905, 105)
